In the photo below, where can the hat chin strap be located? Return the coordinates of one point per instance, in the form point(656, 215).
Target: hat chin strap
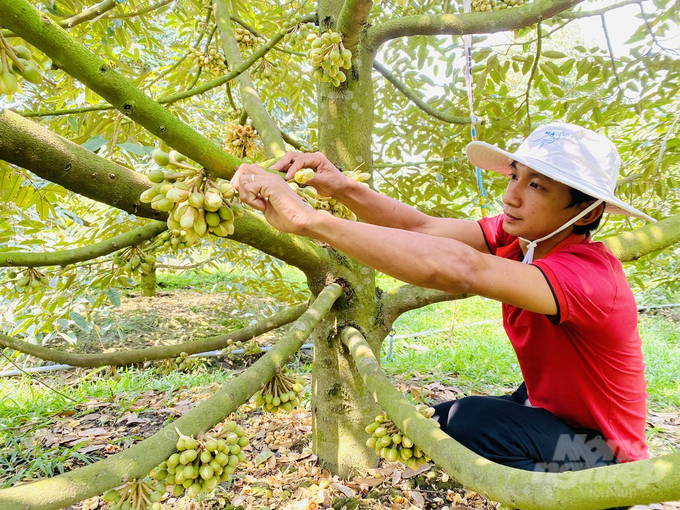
point(529, 257)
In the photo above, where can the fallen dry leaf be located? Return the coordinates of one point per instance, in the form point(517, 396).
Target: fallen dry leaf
point(349, 493)
point(417, 498)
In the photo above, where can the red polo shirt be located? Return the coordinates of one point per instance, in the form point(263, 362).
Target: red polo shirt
point(585, 364)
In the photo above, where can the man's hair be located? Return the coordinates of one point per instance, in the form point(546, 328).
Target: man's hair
point(577, 198)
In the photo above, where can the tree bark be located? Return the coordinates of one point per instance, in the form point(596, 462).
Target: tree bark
point(138, 460)
point(644, 240)
point(63, 258)
point(148, 283)
point(341, 406)
point(154, 353)
point(36, 28)
point(31, 146)
point(262, 121)
point(649, 481)
point(472, 23)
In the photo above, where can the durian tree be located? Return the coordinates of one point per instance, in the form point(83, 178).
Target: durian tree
point(124, 120)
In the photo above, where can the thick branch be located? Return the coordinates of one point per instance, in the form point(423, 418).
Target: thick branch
point(408, 297)
point(415, 163)
point(138, 460)
point(640, 482)
point(89, 14)
point(644, 240)
point(351, 21)
point(310, 258)
point(36, 28)
point(597, 12)
point(262, 121)
point(141, 12)
point(413, 97)
point(155, 353)
point(472, 23)
point(65, 257)
point(56, 159)
point(237, 71)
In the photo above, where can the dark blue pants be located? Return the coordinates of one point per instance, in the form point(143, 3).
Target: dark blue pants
point(506, 431)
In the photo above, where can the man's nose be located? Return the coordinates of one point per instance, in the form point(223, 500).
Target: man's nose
point(512, 196)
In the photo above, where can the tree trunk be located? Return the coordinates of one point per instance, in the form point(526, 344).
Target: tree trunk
point(342, 407)
point(149, 283)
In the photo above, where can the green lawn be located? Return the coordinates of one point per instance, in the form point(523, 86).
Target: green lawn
point(472, 353)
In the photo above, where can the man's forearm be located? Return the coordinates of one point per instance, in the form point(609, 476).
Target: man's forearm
point(373, 207)
point(412, 257)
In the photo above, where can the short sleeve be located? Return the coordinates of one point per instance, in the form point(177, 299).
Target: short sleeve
point(582, 281)
point(494, 235)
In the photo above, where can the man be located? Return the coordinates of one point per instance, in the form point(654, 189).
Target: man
point(567, 307)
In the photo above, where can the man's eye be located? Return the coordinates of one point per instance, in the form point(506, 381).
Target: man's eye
point(513, 176)
point(535, 185)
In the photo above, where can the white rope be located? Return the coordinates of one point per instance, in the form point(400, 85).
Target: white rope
point(529, 257)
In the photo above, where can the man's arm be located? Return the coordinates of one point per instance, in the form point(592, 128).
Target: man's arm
point(413, 257)
point(377, 209)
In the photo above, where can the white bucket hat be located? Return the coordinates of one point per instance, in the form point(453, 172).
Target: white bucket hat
point(570, 154)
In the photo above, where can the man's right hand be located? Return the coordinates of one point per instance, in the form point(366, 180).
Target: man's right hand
point(328, 180)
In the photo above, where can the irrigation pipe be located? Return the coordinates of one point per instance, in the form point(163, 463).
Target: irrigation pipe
point(54, 368)
point(390, 355)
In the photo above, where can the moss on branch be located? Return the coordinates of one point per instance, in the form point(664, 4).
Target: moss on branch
point(351, 21)
point(58, 160)
point(644, 240)
point(262, 121)
point(154, 353)
point(31, 146)
point(409, 297)
point(306, 255)
point(40, 31)
point(65, 257)
point(188, 93)
point(413, 97)
point(138, 460)
point(461, 24)
point(591, 489)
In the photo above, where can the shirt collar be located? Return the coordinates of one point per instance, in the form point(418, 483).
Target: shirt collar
point(513, 250)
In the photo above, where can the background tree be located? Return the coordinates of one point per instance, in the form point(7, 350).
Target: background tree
point(120, 79)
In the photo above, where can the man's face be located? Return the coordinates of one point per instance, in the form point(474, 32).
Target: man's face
point(535, 205)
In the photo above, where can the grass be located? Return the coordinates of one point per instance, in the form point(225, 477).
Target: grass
point(472, 353)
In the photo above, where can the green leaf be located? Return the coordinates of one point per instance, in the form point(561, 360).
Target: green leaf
point(133, 148)
point(23, 196)
point(9, 185)
point(263, 457)
point(95, 143)
point(73, 123)
point(69, 336)
point(43, 208)
point(113, 296)
point(586, 87)
point(80, 321)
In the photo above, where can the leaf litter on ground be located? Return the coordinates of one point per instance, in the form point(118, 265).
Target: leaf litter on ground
point(281, 472)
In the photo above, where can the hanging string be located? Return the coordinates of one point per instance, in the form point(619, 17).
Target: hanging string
point(471, 100)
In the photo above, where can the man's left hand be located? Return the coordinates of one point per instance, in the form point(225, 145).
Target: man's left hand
point(270, 194)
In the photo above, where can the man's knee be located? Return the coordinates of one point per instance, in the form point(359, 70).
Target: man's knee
point(469, 418)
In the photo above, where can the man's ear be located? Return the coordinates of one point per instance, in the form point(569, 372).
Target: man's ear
point(592, 215)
